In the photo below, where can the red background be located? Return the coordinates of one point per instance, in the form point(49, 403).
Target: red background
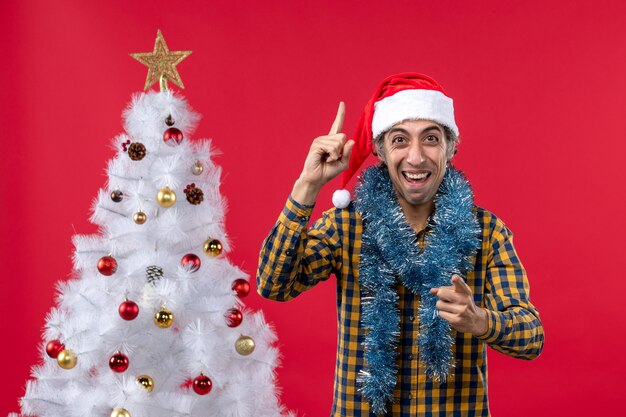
point(540, 94)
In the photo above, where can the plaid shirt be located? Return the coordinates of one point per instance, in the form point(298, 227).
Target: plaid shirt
point(293, 260)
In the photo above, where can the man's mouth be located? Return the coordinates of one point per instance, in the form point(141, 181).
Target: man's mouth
point(416, 177)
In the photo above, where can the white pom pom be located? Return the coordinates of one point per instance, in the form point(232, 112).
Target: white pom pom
point(341, 198)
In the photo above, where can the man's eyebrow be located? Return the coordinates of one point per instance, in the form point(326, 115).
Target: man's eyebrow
point(433, 127)
point(398, 129)
point(406, 132)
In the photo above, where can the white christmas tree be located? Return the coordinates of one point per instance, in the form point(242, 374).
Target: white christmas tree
point(153, 323)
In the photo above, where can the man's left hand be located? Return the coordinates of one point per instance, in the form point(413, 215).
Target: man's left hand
point(456, 306)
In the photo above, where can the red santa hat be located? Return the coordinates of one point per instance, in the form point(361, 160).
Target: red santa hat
point(399, 97)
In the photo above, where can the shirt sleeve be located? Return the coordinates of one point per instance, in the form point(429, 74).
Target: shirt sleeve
point(513, 322)
point(294, 259)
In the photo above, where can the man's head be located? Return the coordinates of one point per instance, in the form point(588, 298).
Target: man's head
point(415, 153)
point(407, 102)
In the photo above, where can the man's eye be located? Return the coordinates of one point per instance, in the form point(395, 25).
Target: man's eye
point(431, 138)
point(398, 139)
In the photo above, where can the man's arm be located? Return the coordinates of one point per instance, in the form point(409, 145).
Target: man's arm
point(508, 322)
point(514, 327)
point(293, 260)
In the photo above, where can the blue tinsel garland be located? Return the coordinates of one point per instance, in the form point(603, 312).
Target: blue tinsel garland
point(390, 250)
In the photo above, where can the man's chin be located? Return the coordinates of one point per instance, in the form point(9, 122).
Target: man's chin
point(417, 200)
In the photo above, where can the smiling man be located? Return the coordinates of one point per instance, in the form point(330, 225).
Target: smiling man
point(425, 279)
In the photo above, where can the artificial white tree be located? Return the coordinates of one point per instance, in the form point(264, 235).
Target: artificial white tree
point(153, 324)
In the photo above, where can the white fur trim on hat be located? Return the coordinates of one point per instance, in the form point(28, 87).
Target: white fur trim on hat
point(341, 198)
point(413, 104)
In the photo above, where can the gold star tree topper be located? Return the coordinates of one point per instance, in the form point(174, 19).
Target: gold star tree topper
point(161, 63)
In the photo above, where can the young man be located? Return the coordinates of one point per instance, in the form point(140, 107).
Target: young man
point(425, 279)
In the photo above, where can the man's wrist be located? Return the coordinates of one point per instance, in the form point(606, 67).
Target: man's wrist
point(482, 323)
point(304, 192)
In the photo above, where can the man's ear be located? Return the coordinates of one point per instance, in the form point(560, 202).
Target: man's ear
point(452, 152)
point(378, 155)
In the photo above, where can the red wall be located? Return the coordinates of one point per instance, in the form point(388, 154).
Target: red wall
point(540, 93)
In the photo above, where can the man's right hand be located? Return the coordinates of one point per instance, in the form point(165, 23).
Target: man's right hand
point(328, 157)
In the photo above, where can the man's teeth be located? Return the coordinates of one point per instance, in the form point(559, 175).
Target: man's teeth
point(413, 176)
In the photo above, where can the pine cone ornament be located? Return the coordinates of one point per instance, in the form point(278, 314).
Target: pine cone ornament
point(136, 151)
point(154, 273)
point(194, 194)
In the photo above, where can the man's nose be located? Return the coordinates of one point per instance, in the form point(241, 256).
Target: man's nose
point(415, 155)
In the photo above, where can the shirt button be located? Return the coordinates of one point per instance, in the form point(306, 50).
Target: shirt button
point(289, 252)
point(410, 357)
point(410, 396)
point(412, 318)
point(304, 218)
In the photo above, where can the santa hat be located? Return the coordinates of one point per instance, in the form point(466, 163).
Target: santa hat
point(399, 97)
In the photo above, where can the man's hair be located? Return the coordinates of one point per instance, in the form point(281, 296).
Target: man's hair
point(451, 138)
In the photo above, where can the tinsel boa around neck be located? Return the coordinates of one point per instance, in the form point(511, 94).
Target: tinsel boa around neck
point(390, 251)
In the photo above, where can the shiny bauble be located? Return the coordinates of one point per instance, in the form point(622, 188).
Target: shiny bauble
point(54, 347)
point(241, 287)
point(197, 168)
point(120, 412)
point(146, 382)
point(202, 385)
point(244, 345)
point(166, 197)
point(213, 247)
point(233, 317)
point(118, 362)
point(173, 136)
point(116, 196)
point(163, 318)
point(129, 310)
point(190, 262)
point(66, 359)
point(107, 265)
point(140, 217)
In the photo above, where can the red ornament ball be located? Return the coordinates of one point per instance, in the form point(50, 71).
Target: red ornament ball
point(191, 261)
point(241, 287)
point(129, 310)
point(173, 136)
point(118, 362)
point(202, 385)
point(107, 265)
point(54, 347)
point(233, 317)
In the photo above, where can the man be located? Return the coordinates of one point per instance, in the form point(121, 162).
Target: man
point(425, 279)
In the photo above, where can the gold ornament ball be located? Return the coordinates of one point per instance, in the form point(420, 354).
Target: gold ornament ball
point(140, 217)
point(120, 412)
point(146, 382)
point(164, 318)
point(244, 345)
point(67, 359)
point(166, 197)
point(213, 247)
point(197, 168)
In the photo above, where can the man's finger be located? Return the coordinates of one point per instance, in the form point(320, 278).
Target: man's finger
point(338, 123)
point(449, 307)
point(347, 151)
point(449, 294)
point(460, 285)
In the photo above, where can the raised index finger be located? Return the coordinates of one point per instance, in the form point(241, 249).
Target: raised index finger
point(338, 123)
point(460, 285)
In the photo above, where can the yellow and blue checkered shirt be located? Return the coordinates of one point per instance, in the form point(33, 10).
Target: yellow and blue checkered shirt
point(294, 259)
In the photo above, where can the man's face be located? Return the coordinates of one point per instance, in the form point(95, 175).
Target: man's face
point(416, 154)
